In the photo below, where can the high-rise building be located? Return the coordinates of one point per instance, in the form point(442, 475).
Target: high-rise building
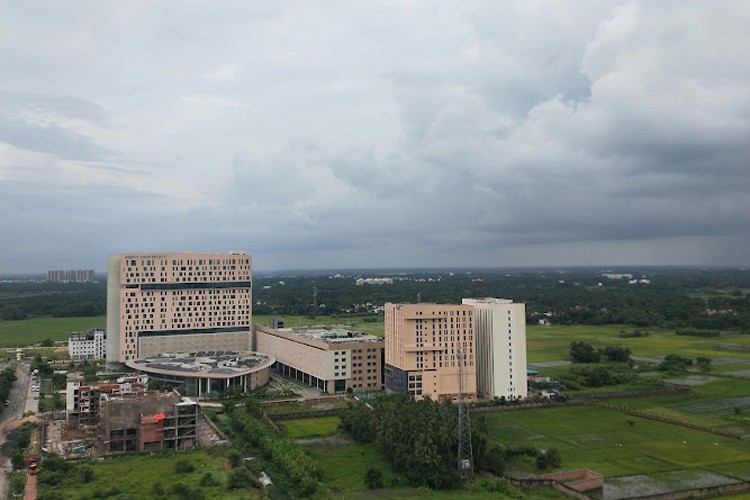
point(500, 327)
point(178, 302)
point(421, 349)
point(70, 275)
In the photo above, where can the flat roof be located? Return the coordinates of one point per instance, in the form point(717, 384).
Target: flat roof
point(204, 364)
point(332, 335)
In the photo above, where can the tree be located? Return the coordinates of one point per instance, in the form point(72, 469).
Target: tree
point(615, 353)
point(581, 352)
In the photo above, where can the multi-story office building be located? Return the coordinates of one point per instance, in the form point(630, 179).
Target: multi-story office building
point(87, 345)
point(500, 327)
point(423, 345)
point(330, 360)
point(70, 275)
point(178, 302)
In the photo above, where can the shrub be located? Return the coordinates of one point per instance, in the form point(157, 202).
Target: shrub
point(581, 352)
point(208, 480)
point(373, 478)
point(183, 467)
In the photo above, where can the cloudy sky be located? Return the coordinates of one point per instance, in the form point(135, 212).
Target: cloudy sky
point(376, 134)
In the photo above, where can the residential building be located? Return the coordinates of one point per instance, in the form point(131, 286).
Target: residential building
point(87, 345)
point(331, 360)
point(500, 327)
point(423, 345)
point(178, 302)
point(70, 275)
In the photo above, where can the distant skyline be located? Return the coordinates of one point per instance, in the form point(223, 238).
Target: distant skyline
point(376, 135)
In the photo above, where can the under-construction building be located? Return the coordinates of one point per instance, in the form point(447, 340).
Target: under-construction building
point(83, 400)
point(148, 421)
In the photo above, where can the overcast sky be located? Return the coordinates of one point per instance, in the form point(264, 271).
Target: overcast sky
point(375, 134)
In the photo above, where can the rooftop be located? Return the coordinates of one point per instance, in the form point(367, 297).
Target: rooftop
point(208, 364)
point(333, 336)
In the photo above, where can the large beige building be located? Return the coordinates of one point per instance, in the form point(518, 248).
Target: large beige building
point(330, 360)
point(422, 343)
point(500, 327)
point(178, 302)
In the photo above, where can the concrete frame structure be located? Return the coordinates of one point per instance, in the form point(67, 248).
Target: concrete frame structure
point(178, 302)
point(87, 345)
point(500, 327)
point(330, 360)
point(202, 372)
point(421, 346)
point(149, 421)
point(83, 400)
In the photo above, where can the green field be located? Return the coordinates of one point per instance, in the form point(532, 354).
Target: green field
point(600, 439)
point(552, 343)
point(310, 427)
point(113, 473)
point(31, 331)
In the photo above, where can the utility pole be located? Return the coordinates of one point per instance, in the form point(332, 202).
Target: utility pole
point(465, 452)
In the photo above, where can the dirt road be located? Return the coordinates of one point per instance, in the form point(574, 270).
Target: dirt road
point(10, 414)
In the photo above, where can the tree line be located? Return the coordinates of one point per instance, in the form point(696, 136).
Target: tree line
point(674, 298)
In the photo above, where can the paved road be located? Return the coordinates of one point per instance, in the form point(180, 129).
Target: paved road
point(15, 410)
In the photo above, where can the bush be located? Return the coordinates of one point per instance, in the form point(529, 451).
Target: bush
point(493, 460)
point(208, 480)
point(500, 485)
point(235, 459)
point(87, 474)
point(183, 467)
point(373, 478)
point(581, 352)
point(157, 489)
point(185, 492)
point(694, 332)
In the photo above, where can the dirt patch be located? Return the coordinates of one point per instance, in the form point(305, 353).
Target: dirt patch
point(336, 441)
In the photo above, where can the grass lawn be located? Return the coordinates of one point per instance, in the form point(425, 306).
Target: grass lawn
point(599, 439)
point(551, 343)
point(118, 473)
point(310, 427)
point(34, 330)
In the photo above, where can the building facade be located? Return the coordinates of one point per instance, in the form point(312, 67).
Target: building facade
point(87, 345)
point(70, 275)
point(331, 360)
point(178, 302)
point(500, 327)
point(148, 421)
point(423, 344)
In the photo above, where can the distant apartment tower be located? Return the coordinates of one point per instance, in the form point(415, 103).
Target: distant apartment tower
point(500, 327)
point(87, 345)
point(70, 275)
point(178, 302)
point(329, 360)
point(422, 343)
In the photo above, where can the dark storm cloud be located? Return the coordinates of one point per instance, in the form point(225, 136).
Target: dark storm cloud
point(386, 134)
